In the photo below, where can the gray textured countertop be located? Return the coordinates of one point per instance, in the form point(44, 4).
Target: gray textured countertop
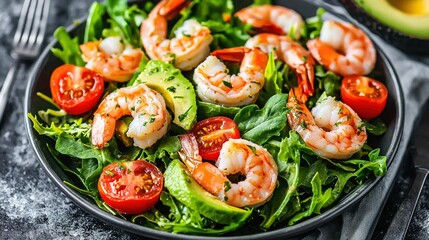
point(32, 207)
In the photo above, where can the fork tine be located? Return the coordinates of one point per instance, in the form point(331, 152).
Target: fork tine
point(28, 23)
point(43, 24)
point(36, 23)
point(22, 18)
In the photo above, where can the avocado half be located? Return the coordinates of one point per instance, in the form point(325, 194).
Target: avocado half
point(397, 25)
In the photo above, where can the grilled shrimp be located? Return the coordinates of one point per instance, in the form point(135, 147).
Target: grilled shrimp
point(272, 19)
point(343, 49)
point(290, 52)
point(237, 156)
point(332, 129)
point(215, 85)
point(148, 108)
point(111, 58)
point(187, 49)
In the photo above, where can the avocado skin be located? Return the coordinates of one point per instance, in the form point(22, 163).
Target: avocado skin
point(178, 91)
point(181, 185)
point(404, 42)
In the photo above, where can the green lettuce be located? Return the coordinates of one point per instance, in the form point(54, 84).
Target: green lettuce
point(70, 53)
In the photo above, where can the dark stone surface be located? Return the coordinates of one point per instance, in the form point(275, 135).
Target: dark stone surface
point(32, 207)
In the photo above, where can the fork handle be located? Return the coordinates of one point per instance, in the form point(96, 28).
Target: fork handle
point(5, 90)
point(399, 226)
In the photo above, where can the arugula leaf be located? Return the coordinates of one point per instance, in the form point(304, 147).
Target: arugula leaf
point(259, 125)
point(94, 22)
point(125, 20)
point(70, 53)
point(313, 26)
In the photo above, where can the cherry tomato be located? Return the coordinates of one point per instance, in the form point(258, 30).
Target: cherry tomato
point(76, 89)
point(131, 187)
point(211, 133)
point(365, 95)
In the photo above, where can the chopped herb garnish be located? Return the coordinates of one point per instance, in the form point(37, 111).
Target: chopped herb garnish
point(171, 89)
point(111, 174)
point(133, 108)
point(227, 186)
point(186, 34)
point(253, 149)
point(303, 124)
point(152, 118)
point(169, 78)
point(228, 84)
point(183, 115)
point(178, 97)
point(304, 58)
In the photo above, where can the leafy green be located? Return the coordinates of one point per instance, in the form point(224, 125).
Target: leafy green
point(125, 21)
point(259, 125)
point(181, 219)
point(217, 15)
point(70, 53)
point(94, 22)
point(326, 82)
point(375, 127)
point(206, 110)
point(262, 2)
point(165, 150)
point(313, 26)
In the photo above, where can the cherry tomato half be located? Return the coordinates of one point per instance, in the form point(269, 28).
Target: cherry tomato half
point(76, 89)
point(365, 95)
point(131, 187)
point(211, 133)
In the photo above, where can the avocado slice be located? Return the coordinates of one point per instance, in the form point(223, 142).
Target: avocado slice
point(178, 91)
point(181, 185)
point(408, 17)
point(121, 129)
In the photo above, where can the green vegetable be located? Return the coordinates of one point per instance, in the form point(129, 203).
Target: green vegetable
point(184, 188)
point(206, 110)
point(125, 20)
point(259, 125)
point(94, 22)
point(71, 53)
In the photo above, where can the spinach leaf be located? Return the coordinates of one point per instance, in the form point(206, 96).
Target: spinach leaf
point(93, 159)
point(165, 150)
point(259, 125)
point(70, 53)
point(206, 110)
point(375, 127)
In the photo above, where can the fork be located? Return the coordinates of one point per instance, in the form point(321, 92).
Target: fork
point(27, 41)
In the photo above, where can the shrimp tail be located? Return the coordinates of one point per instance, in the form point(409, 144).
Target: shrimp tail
point(171, 8)
point(102, 130)
point(305, 75)
point(235, 54)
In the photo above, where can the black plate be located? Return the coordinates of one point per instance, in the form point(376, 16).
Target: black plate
point(392, 116)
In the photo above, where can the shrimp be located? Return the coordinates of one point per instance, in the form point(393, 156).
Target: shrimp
point(215, 85)
point(272, 19)
point(343, 49)
point(111, 58)
point(187, 49)
point(332, 129)
point(147, 106)
point(237, 156)
point(290, 52)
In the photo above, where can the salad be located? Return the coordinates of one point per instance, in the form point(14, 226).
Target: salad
point(199, 118)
